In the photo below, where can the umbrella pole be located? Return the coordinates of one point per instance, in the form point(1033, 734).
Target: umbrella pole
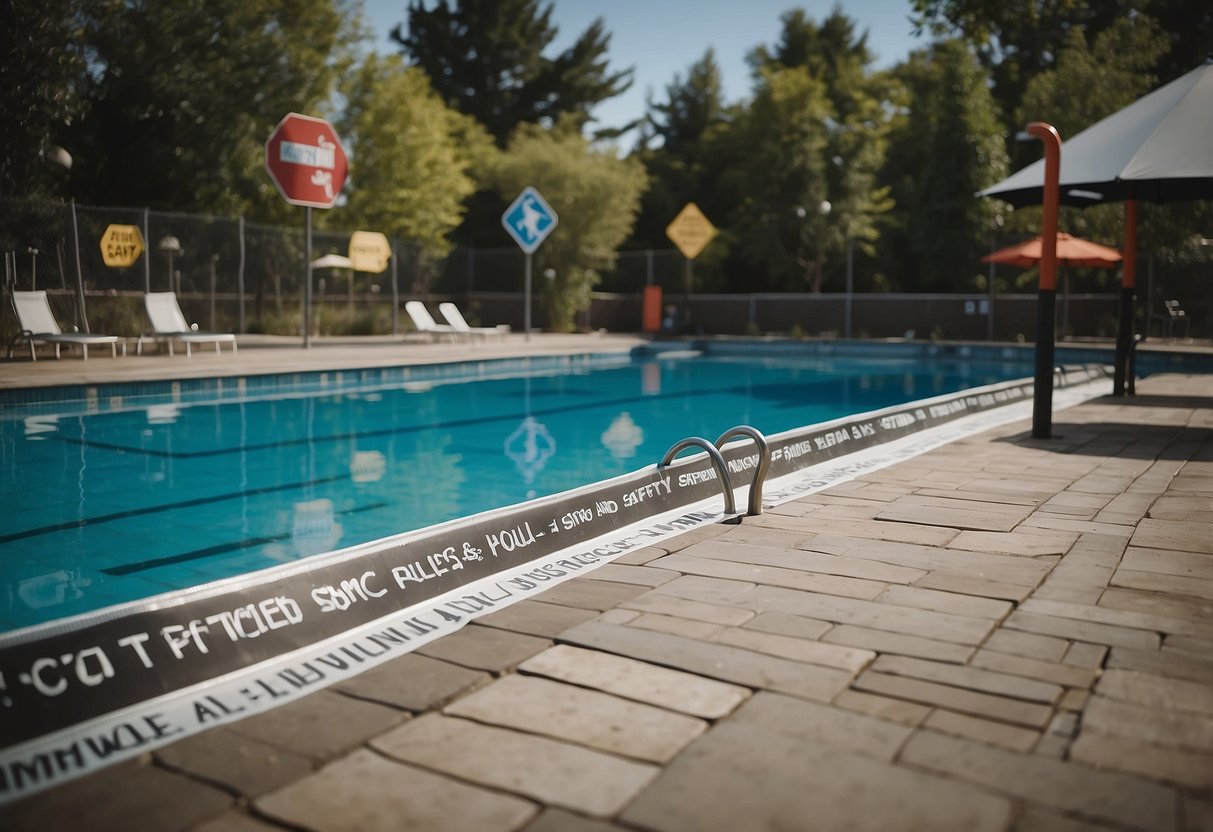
point(1046, 301)
point(1128, 286)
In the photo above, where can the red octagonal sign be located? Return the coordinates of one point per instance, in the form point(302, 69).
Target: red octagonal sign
point(305, 159)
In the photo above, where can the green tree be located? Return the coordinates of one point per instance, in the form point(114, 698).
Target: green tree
point(485, 58)
point(1089, 83)
point(855, 129)
point(596, 196)
point(1018, 39)
point(780, 223)
point(674, 139)
point(948, 145)
point(412, 157)
point(40, 93)
point(182, 96)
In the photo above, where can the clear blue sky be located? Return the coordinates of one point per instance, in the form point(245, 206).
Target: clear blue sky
point(662, 38)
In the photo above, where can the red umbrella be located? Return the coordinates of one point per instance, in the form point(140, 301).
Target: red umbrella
point(1071, 251)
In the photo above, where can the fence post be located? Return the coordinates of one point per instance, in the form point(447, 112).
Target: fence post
point(214, 260)
point(240, 277)
point(147, 259)
point(81, 315)
point(395, 286)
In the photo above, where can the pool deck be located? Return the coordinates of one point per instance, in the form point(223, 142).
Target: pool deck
point(264, 354)
point(999, 634)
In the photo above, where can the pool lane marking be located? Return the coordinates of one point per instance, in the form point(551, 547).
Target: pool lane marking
point(456, 423)
point(139, 512)
point(220, 549)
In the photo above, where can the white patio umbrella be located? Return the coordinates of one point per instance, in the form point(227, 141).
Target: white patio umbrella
point(1158, 149)
point(333, 261)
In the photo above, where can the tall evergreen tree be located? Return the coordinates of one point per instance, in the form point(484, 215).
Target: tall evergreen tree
point(485, 58)
point(835, 56)
point(948, 146)
point(673, 144)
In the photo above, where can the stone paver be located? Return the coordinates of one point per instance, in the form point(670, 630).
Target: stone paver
point(982, 730)
point(536, 618)
point(716, 661)
point(772, 576)
point(791, 784)
point(898, 644)
point(799, 649)
point(556, 773)
point(321, 726)
point(413, 682)
point(587, 594)
point(664, 604)
point(237, 763)
point(728, 549)
point(1102, 796)
point(485, 648)
point(368, 792)
point(557, 710)
point(1171, 663)
point(815, 724)
point(642, 682)
point(781, 623)
point(128, 796)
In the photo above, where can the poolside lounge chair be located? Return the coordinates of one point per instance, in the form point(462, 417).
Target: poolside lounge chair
point(38, 326)
point(455, 318)
point(424, 321)
point(168, 325)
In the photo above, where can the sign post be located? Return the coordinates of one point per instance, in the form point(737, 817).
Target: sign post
point(529, 220)
point(691, 232)
point(304, 157)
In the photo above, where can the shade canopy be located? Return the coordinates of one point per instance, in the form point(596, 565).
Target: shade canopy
point(333, 261)
point(1156, 149)
point(1071, 251)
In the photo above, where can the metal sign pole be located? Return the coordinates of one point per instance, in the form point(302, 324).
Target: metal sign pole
point(307, 286)
point(526, 294)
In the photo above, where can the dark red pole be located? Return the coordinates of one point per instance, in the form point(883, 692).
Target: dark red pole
point(1046, 302)
point(1128, 288)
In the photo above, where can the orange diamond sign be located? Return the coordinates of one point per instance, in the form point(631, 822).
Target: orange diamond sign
point(690, 231)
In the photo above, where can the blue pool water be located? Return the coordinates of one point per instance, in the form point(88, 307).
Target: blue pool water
point(116, 494)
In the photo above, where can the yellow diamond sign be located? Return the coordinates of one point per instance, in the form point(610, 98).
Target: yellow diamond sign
point(121, 245)
point(690, 231)
point(369, 251)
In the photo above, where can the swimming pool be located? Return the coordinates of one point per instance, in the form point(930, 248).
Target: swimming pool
point(115, 493)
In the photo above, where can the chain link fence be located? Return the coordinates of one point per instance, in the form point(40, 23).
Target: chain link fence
point(235, 276)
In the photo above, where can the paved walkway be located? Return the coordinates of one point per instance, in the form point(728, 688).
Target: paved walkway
point(1000, 634)
point(261, 354)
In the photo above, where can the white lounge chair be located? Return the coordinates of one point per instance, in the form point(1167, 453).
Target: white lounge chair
point(424, 322)
point(38, 326)
point(455, 318)
point(168, 326)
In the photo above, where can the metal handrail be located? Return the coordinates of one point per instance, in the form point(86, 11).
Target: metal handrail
point(730, 506)
point(764, 462)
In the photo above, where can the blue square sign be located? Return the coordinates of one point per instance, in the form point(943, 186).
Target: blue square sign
point(529, 220)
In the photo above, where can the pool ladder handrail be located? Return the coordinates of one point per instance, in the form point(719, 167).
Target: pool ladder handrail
point(713, 451)
point(764, 462)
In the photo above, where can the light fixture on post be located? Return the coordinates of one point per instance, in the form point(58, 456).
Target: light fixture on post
point(171, 246)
